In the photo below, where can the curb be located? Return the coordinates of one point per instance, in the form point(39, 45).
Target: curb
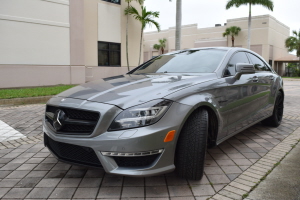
point(251, 178)
point(27, 100)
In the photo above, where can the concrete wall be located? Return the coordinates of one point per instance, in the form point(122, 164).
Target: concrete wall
point(35, 43)
point(267, 37)
point(34, 32)
point(106, 22)
point(50, 42)
point(13, 76)
point(95, 73)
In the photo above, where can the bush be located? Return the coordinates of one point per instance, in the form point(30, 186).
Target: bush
point(293, 69)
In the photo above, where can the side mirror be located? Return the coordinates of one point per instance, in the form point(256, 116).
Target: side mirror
point(243, 68)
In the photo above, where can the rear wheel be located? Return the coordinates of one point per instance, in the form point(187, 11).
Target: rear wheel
point(191, 146)
point(275, 119)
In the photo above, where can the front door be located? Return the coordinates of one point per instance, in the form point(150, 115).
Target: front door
point(241, 95)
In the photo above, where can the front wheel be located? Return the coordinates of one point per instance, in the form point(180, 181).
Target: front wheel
point(191, 146)
point(276, 118)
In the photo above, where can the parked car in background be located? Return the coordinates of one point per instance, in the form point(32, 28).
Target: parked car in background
point(163, 115)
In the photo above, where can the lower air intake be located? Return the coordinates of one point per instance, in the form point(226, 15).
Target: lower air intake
point(72, 153)
point(139, 161)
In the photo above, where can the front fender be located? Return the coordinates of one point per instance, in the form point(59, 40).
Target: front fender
point(204, 100)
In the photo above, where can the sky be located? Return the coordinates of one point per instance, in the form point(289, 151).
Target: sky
point(210, 12)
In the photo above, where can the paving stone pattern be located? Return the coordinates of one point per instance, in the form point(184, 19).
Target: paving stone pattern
point(29, 171)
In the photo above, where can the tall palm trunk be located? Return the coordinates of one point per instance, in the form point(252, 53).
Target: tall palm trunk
point(141, 46)
point(127, 56)
point(178, 24)
point(249, 28)
point(232, 39)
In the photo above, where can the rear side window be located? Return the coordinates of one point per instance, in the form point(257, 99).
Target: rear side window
point(259, 65)
point(239, 57)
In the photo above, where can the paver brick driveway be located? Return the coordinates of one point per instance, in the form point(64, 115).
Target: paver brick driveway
point(28, 171)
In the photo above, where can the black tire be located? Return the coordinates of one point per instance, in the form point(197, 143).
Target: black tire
point(276, 118)
point(191, 146)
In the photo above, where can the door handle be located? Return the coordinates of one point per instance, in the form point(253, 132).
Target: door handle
point(255, 79)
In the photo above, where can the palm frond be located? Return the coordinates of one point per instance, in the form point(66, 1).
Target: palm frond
point(292, 43)
point(237, 3)
point(233, 31)
point(265, 3)
point(156, 46)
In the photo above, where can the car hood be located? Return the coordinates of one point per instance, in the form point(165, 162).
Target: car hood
point(128, 90)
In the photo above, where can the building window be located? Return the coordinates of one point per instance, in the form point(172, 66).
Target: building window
point(113, 1)
point(109, 54)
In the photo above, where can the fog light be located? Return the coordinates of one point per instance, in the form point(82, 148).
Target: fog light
point(144, 153)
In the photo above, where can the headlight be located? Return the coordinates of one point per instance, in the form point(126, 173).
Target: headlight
point(141, 115)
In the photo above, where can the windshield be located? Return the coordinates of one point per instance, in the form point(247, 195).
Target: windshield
point(189, 61)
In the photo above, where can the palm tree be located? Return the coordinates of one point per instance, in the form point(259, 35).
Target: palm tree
point(161, 46)
point(292, 43)
point(237, 3)
point(128, 4)
point(146, 18)
point(178, 24)
point(232, 31)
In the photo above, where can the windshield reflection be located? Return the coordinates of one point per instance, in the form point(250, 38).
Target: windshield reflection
point(188, 61)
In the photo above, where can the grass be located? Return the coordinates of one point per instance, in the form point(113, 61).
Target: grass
point(33, 92)
point(290, 77)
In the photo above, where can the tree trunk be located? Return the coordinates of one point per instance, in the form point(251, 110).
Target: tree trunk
point(162, 50)
point(127, 56)
point(249, 28)
point(232, 39)
point(178, 24)
point(141, 46)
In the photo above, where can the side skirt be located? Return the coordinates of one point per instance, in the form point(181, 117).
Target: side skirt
point(236, 132)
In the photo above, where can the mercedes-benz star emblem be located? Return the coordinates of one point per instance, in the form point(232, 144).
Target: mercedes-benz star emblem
point(59, 119)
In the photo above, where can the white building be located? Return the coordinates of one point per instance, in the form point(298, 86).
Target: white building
point(50, 42)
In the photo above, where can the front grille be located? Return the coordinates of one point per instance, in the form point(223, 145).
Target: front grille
point(139, 161)
point(79, 122)
point(72, 153)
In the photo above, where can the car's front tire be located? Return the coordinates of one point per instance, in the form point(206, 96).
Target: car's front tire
point(191, 146)
point(276, 118)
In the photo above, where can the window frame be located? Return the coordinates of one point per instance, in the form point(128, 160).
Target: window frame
point(262, 60)
point(109, 51)
point(110, 1)
point(245, 52)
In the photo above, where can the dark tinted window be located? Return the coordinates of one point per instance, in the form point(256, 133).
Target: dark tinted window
point(239, 57)
point(259, 65)
point(190, 61)
point(109, 54)
point(113, 1)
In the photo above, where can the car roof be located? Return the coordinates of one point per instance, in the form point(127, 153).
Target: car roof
point(203, 48)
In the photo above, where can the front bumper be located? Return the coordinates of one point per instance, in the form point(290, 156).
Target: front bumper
point(144, 139)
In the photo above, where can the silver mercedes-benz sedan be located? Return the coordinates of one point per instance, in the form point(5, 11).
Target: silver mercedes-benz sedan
point(163, 115)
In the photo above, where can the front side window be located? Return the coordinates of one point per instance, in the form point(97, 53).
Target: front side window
point(239, 57)
point(113, 1)
point(259, 65)
point(190, 61)
point(109, 54)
